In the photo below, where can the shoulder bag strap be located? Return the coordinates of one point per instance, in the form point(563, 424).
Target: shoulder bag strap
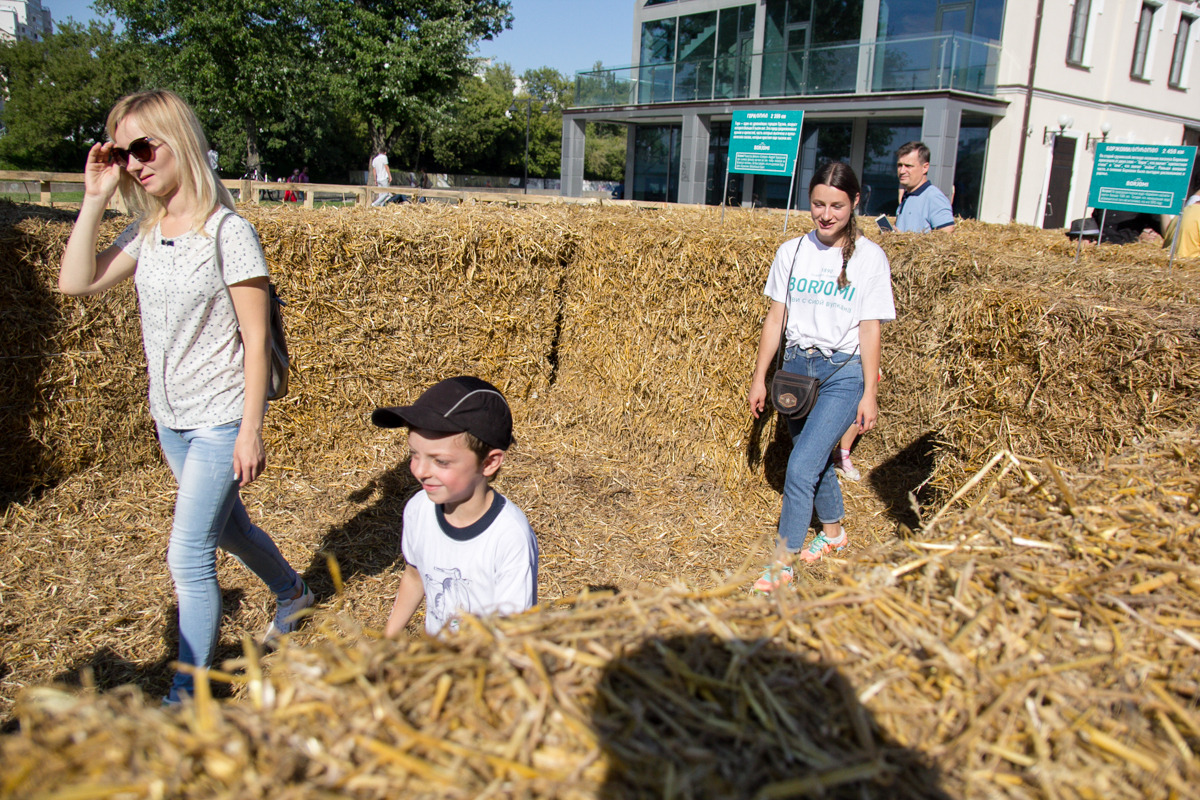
point(787, 298)
point(217, 243)
point(787, 292)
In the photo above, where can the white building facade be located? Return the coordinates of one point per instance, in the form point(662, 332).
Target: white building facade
point(1009, 95)
point(25, 20)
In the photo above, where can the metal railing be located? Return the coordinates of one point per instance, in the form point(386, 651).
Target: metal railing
point(913, 63)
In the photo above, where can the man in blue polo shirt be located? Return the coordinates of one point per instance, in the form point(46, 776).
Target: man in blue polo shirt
point(923, 207)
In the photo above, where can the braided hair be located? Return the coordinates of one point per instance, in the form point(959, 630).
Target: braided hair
point(839, 175)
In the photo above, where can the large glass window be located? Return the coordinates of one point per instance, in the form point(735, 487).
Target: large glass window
point(1140, 68)
point(735, 43)
point(697, 56)
point(820, 143)
point(880, 186)
point(656, 75)
point(785, 46)
point(658, 41)
point(718, 162)
point(1078, 36)
point(968, 166)
point(656, 162)
point(1179, 54)
point(982, 18)
point(795, 62)
point(695, 49)
point(836, 21)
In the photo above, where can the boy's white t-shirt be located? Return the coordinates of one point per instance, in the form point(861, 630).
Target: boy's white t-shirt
point(489, 567)
point(819, 313)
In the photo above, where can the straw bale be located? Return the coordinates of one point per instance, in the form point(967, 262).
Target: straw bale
point(1004, 341)
point(75, 375)
point(625, 339)
point(1040, 644)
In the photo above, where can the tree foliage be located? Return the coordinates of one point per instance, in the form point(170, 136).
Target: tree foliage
point(548, 92)
point(478, 133)
point(394, 61)
point(288, 83)
point(59, 93)
point(244, 65)
point(604, 152)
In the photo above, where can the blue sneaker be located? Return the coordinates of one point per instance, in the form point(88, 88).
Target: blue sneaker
point(820, 545)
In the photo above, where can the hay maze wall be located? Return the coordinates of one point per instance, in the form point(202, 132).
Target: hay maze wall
point(624, 340)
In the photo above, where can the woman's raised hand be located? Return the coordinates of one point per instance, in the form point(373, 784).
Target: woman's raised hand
point(101, 174)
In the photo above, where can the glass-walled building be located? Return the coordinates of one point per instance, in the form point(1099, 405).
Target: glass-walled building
point(1009, 97)
point(869, 74)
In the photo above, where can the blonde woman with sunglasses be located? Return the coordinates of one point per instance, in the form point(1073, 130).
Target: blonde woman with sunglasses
point(207, 342)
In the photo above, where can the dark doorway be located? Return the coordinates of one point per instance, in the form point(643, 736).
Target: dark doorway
point(1061, 170)
point(656, 163)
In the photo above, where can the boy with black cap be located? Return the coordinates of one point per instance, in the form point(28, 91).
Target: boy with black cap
point(468, 550)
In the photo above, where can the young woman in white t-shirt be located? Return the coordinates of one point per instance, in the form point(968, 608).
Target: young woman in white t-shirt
point(837, 289)
point(207, 342)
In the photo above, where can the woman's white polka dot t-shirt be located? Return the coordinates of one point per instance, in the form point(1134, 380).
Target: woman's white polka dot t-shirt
point(189, 327)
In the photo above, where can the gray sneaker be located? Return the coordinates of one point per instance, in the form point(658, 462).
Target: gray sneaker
point(288, 616)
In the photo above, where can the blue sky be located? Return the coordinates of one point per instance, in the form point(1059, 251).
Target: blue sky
point(568, 35)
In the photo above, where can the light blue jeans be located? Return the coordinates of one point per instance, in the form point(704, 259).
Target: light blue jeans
point(811, 481)
point(209, 514)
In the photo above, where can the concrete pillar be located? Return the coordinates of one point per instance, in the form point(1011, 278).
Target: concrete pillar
point(760, 36)
point(572, 156)
point(939, 132)
point(693, 158)
point(866, 50)
point(858, 145)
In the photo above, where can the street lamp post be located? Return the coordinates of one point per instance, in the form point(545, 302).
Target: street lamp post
point(528, 101)
point(528, 111)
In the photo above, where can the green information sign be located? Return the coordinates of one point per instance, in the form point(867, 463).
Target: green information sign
point(1146, 178)
point(764, 142)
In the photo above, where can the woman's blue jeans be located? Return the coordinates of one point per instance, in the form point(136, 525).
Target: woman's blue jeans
point(811, 481)
point(209, 514)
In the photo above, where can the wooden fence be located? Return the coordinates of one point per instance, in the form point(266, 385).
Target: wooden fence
point(252, 191)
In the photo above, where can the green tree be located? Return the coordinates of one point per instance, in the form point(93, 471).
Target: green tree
point(483, 129)
point(394, 61)
point(476, 132)
point(604, 152)
point(549, 92)
point(248, 67)
point(59, 93)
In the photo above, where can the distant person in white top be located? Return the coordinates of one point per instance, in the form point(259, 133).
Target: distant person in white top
point(468, 549)
point(212, 159)
point(383, 177)
point(923, 206)
point(207, 341)
point(833, 290)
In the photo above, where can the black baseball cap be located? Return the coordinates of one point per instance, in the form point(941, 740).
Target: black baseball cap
point(455, 405)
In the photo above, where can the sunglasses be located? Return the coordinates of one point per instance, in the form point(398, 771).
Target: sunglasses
point(142, 149)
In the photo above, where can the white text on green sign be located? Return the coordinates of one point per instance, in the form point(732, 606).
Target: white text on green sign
point(1141, 177)
point(764, 142)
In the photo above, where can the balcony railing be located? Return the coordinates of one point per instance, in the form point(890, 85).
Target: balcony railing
point(921, 63)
